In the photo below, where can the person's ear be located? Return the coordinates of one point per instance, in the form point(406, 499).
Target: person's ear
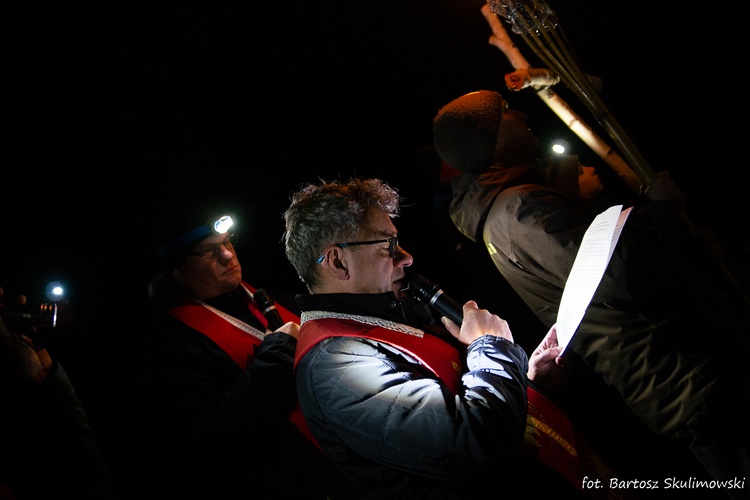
point(334, 262)
point(177, 277)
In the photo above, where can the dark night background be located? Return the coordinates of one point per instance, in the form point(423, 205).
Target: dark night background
point(111, 110)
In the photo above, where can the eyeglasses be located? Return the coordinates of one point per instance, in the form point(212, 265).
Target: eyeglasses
point(392, 244)
point(209, 252)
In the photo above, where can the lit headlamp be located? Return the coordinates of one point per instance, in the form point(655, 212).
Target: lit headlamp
point(214, 226)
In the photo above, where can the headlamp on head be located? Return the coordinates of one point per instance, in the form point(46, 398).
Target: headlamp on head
point(223, 224)
point(217, 226)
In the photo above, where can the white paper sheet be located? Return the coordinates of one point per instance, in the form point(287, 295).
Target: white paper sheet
point(588, 268)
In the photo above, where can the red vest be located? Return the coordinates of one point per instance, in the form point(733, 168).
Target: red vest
point(235, 338)
point(442, 358)
point(550, 436)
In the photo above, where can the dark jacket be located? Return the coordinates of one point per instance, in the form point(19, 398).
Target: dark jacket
point(392, 427)
point(47, 448)
point(223, 430)
point(652, 327)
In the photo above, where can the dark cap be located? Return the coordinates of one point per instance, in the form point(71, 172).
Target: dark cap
point(181, 226)
point(465, 131)
point(218, 225)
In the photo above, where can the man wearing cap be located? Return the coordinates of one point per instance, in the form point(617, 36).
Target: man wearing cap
point(643, 332)
point(221, 382)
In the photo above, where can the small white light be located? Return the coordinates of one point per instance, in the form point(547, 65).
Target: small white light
point(54, 291)
point(223, 224)
point(560, 146)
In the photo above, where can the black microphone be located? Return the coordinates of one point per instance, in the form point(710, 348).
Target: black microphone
point(268, 307)
point(423, 289)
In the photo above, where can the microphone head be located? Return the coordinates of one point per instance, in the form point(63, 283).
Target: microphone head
point(262, 298)
point(425, 291)
point(421, 288)
point(267, 306)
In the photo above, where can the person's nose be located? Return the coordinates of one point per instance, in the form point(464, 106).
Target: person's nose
point(403, 258)
point(225, 252)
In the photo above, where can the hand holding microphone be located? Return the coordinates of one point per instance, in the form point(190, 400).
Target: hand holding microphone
point(546, 367)
point(469, 322)
point(268, 307)
point(426, 291)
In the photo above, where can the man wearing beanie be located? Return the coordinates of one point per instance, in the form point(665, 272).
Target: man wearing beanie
point(643, 332)
point(220, 381)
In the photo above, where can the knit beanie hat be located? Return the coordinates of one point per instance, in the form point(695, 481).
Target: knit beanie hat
point(561, 173)
point(464, 131)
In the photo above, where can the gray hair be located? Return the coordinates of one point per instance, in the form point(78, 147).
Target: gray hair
point(328, 213)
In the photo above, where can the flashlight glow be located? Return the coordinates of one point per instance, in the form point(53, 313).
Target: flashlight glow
point(223, 224)
point(54, 291)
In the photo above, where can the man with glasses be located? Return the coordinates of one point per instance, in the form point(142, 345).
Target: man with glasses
point(403, 407)
point(221, 382)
